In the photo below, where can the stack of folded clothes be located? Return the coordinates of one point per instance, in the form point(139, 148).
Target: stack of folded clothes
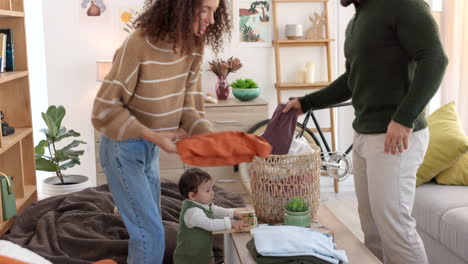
point(292, 244)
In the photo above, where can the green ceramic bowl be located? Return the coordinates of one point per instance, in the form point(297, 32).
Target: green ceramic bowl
point(246, 94)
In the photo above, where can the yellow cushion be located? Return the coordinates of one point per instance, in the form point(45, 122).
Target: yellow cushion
point(447, 143)
point(456, 175)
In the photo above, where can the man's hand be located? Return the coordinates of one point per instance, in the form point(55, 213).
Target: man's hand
point(166, 139)
point(293, 104)
point(397, 137)
point(239, 225)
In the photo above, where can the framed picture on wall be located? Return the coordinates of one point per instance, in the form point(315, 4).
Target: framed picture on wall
point(93, 11)
point(254, 21)
point(127, 16)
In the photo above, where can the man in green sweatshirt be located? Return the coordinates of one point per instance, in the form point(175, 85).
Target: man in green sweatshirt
point(394, 66)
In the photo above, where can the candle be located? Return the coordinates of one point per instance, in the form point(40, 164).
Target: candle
point(310, 73)
point(301, 75)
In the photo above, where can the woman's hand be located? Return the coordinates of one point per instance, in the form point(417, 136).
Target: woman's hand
point(293, 104)
point(165, 140)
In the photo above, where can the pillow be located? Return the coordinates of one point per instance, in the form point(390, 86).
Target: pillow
point(12, 250)
point(456, 175)
point(447, 143)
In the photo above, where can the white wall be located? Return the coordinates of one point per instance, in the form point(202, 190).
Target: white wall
point(37, 65)
point(72, 48)
point(345, 114)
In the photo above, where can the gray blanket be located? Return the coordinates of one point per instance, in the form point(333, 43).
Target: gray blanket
point(80, 228)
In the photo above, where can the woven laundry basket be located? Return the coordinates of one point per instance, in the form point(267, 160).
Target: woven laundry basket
point(278, 178)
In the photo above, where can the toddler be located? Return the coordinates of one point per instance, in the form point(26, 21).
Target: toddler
point(199, 217)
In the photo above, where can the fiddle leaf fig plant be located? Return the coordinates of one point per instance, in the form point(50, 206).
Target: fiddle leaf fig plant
point(57, 159)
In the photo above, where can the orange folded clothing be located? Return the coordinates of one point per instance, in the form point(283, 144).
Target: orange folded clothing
point(105, 261)
point(222, 148)
point(8, 260)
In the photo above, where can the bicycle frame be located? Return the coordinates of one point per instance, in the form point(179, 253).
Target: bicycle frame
point(309, 114)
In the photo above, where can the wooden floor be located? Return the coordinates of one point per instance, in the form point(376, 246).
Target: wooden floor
point(343, 204)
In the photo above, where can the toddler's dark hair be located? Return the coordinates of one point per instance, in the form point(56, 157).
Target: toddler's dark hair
point(191, 179)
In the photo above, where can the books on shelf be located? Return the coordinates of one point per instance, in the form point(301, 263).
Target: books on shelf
point(8, 58)
point(3, 38)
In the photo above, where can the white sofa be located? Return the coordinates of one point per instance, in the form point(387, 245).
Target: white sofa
point(441, 213)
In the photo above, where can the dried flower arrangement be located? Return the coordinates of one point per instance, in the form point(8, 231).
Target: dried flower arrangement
point(222, 68)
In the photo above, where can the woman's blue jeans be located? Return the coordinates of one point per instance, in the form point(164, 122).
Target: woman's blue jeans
point(132, 171)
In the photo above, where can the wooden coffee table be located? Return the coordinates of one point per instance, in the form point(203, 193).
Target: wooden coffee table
point(236, 252)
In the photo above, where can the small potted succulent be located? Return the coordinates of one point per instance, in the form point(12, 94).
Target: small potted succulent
point(297, 213)
point(245, 89)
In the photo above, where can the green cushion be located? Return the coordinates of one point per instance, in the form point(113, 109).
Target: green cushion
point(456, 175)
point(447, 143)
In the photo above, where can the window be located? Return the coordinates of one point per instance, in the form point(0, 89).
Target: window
point(436, 5)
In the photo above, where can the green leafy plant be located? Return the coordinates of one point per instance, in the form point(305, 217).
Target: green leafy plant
point(297, 204)
point(58, 159)
point(244, 84)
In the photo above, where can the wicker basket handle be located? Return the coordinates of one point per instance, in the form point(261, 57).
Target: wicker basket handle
point(9, 185)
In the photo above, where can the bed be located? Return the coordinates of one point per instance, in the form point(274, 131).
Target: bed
point(81, 228)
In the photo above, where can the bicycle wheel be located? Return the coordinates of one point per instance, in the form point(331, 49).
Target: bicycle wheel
point(259, 129)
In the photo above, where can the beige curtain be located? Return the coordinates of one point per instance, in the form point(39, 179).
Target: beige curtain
point(454, 29)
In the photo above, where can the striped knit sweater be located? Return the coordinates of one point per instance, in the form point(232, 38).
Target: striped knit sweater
point(150, 86)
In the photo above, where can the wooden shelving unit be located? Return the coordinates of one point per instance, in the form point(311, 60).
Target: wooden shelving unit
point(301, 86)
point(17, 150)
point(9, 13)
point(302, 42)
point(321, 43)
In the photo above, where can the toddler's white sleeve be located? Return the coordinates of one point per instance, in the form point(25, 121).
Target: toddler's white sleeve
point(195, 217)
point(220, 212)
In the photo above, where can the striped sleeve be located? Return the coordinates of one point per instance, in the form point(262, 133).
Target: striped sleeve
point(110, 115)
point(193, 116)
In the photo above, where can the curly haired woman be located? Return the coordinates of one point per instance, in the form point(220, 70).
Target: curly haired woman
point(151, 97)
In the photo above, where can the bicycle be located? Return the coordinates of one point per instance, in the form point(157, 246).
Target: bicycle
point(336, 165)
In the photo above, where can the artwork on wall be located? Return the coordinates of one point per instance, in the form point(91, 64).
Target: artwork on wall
point(127, 18)
point(94, 11)
point(255, 23)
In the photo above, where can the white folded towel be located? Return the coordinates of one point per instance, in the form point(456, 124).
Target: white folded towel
point(296, 241)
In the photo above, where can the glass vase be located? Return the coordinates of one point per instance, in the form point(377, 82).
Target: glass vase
point(222, 88)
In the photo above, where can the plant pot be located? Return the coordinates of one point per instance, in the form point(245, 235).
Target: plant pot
point(246, 94)
point(297, 218)
point(52, 186)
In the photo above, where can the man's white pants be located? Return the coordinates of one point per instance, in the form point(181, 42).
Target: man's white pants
point(385, 188)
